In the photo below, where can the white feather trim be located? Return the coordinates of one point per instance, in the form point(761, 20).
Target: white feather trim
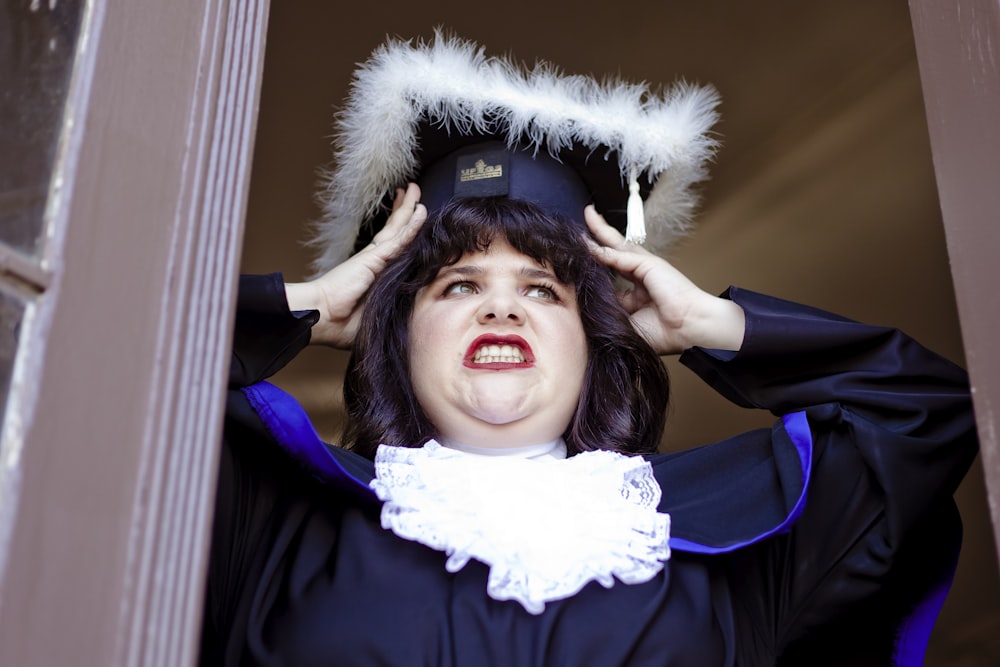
point(452, 82)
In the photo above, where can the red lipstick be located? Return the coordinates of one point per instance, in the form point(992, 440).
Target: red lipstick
point(499, 340)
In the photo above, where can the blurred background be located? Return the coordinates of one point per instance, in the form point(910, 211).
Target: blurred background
point(823, 191)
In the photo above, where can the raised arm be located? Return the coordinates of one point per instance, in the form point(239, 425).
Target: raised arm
point(275, 320)
point(338, 294)
point(891, 435)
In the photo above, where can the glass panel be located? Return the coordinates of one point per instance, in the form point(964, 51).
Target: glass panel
point(11, 314)
point(37, 44)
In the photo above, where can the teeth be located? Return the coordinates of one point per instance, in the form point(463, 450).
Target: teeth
point(492, 354)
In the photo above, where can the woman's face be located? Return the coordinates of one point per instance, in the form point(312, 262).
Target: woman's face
point(497, 350)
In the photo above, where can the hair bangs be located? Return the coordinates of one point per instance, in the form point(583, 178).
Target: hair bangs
point(472, 225)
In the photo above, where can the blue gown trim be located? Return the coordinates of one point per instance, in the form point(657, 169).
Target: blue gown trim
point(797, 427)
point(914, 632)
point(287, 421)
point(290, 426)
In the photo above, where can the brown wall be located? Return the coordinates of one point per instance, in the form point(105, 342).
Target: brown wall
point(823, 192)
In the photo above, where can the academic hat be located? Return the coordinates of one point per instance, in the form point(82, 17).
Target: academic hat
point(459, 123)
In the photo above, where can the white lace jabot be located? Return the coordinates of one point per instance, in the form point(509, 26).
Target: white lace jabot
point(545, 527)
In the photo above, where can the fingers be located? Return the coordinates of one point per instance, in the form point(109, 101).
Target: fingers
point(406, 198)
point(612, 250)
point(634, 299)
point(605, 234)
point(405, 205)
point(405, 220)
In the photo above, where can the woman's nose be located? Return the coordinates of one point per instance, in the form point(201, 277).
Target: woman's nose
point(500, 308)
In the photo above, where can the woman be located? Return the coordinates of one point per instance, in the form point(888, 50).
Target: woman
point(515, 512)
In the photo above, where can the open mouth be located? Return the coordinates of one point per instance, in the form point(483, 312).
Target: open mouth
point(491, 354)
point(499, 352)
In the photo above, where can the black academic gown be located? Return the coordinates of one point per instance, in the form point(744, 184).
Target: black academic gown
point(827, 539)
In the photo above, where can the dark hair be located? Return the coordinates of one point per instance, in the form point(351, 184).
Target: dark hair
point(625, 389)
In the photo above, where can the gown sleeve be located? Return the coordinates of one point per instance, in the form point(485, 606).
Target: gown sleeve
point(893, 435)
point(267, 334)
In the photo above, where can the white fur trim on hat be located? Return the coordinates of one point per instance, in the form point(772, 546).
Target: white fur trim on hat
point(452, 83)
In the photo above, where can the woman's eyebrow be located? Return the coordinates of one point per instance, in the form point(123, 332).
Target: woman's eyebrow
point(463, 270)
point(526, 272)
point(537, 274)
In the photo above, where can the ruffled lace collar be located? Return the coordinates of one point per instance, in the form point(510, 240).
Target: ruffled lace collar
point(545, 527)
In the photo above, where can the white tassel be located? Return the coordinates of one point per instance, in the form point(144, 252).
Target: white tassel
point(635, 229)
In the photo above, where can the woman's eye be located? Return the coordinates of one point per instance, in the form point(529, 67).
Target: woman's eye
point(460, 288)
point(542, 292)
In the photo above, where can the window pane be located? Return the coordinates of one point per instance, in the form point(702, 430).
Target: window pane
point(37, 44)
point(11, 314)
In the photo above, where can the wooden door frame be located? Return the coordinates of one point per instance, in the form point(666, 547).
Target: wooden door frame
point(127, 348)
point(960, 75)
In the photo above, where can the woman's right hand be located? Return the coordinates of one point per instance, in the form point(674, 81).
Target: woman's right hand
point(338, 294)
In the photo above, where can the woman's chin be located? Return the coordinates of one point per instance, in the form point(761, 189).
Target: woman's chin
point(499, 415)
point(507, 426)
point(500, 411)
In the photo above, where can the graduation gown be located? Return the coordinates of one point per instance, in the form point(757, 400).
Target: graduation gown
point(829, 538)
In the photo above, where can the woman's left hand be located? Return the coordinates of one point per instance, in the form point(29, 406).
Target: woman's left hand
point(669, 310)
